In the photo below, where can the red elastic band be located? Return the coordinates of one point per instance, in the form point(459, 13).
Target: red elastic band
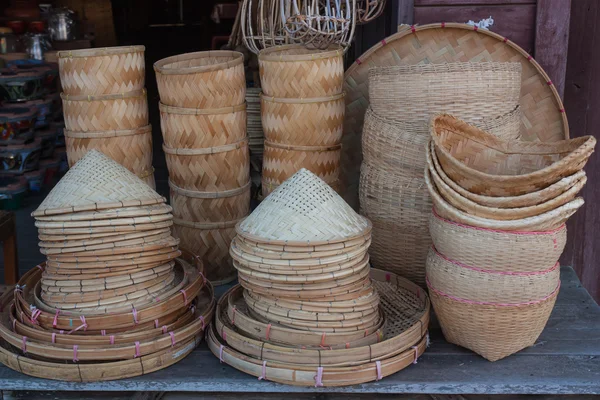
point(383, 42)
point(529, 58)
point(103, 332)
point(323, 339)
point(388, 277)
point(505, 40)
point(475, 28)
point(413, 29)
point(164, 329)
point(358, 61)
point(268, 334)
point(549, 83)
point(347, 345)
point(112, 339)
point(443, 24)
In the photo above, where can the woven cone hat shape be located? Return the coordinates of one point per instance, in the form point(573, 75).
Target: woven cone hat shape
point(96, 182)
point(303, 210)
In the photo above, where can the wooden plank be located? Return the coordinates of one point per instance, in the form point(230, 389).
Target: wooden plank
point(450, 3)
point(552, 39)
point(517, 22)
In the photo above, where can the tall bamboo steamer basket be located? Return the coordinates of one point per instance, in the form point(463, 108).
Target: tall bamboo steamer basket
point(211, 79)
point(186, 128)
point(493, 331)
point(481, 284)
point(303, 122)
point(281, 162)
point(195, 206)
point(124, 111)
point(484, 164)
point(109, 70)
point(506, 251)
point(209, 169)
point(297, 72)
point(210, 242)
point(130, 148)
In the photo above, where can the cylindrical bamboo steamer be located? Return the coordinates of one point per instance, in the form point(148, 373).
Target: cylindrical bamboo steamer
point(189, 128)
point(303, 122)
point(197, 206)
point(297, 72)
point(209, 169)
point(124, 111)
point(110, 70)
point(281, 162)
point(211, 79)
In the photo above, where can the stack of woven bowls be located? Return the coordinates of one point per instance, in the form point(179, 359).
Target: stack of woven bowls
point(203, 121)
point(309, 310)
point(105, 106)
point(498, 230)
point(396, 129)
point(111, 295)
point(256, 138)
point(302, 109)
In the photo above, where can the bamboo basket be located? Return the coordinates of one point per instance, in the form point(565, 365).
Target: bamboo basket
point(482, 284)
point(209, 169)
point(103, 222)
point(303, 122)
point(106, 243)
point(484, 164)
point(544, 222)
point(254, 125)
point(493, 331)
point(223, 206)
point(293, 71)
point(125, 111)
point(280, 162)
point(211, 79)
point(126, 212)
point(186, 128)
point(96, 72)
point(105, 229)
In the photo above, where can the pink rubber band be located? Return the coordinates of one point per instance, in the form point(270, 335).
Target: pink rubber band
point(347, 345)
point(156, 323)
point(55, 322)
point(443, 24)
point(164, 329)
point(184, 296)
point(416, 353)
point(224, 334)
point(172, 339)
point(505, 40)
point(475, 28)
point(319, 377)
point(383, 42)
point(83, 325)
point(40, 267)
point(202, 320)
point(137, 350)
point(413, 29)
point(53, 337)
point(103, 332)
point(264, 372)
point(61, 332)
point(112, 339)
point(529, 58)
point(561, 110)
point(221, 354)
point(135, 318)
point(378, 367)
point(268, 334)
point(358, 61)
point(549, 83)
point(24, 345)
point(323, 339)
point(75, 347)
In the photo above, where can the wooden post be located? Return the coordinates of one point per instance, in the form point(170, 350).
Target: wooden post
point(552, 39)
point(406, 12)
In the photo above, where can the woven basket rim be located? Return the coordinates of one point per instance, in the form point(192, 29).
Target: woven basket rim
point(290, 100)
point(209, 195)
point(161, 66)
point(200, 111)
point(106, 134)
point(206, 225)
point(458, 67)
point(269, 54)
point(205, 150)
point(125, 95)
point(99, 52)
point(302, 148)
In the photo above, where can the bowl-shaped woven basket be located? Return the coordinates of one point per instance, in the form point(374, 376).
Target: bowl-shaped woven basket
point(209, 169)
point(496, 250)
point(105, 113)
point(109, 70)
point(297, 72)
point(479, 284)
point(211, 79)
point(483, 164)
point(189, 128)
point(471, 91)
point(303, 122)
point(493, 331)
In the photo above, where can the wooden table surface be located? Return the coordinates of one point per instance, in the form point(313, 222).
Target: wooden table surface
point(565, 360)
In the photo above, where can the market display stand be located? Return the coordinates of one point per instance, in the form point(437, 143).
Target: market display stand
point(565, 360)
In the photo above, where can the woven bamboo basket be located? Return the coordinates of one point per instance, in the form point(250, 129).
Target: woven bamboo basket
point(128, 251)
point(507, 202)
point(211, 79)
point(294, 71)
point(481, 284)
point(103, 222)
point(303, 122)
point(210, 242)
point(187, 128)
point(196, 206)
point(471, 91)
point(254, 125)
point(362, 303)
point(484, 164)
point(493, 331)
point(498, 250)
point(95, 72)
point(106, 243)
point(125, 111)
point(280, 162)
point(209, 169)
point(544, 222)
point(126, 212)
point(105, 229)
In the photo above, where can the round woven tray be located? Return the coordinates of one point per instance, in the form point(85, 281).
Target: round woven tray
point(127, 212)
point(101, 241)
point(127, 252)
point(106, 229)
point(116, 222)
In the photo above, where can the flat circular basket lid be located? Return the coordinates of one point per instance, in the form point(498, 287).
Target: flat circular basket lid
point(303, 209)
point(96, 182)
point(544, 118)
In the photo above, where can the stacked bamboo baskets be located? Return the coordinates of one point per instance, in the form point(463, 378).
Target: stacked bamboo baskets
point(105, 106)
point(256, 137)
point(392, 192)
point(309, 310)
point(112, 294)
point(302, 113)
point(203, 122)
point(498, 230)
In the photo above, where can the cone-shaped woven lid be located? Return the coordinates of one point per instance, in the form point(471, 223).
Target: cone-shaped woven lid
point(303, 209)
point(97, 182)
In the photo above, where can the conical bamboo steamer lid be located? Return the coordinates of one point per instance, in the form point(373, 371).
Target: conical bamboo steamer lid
point(303, 209)
point(97, 182)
